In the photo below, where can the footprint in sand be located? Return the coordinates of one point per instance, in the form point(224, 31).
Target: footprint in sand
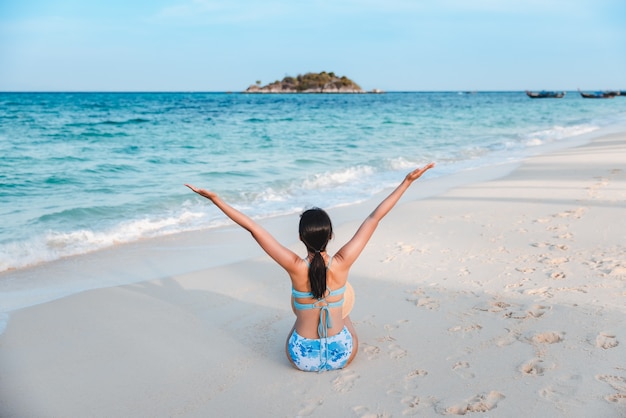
point(556, 261)
point(426, 302)
point(532, 368)
point(516, 285)
point(419, 298)
point(416, 373)
point(385, 338)
point(493, 307)
point(371, 351)
point(396, 352)
point(618, 270)
point(545, 292)
point(468, 328)
point(364, 412)
point(576, 213)
point(608, 266)
point(616, 397)
point(560, 247)
point(616, 382)
point(464, 271)
point(344, 381)
point(557, 275)
point(400, 249)
point(537, 311)
point(412, 404)
point(508, 339)
point(562, 390)
point(391, 327)
point(462, 369)
point(553, 247)
point(548, 338)
point(595, 188)
point(479, 403)
point(417, 406)
point(606, 341)
point(309, 406)
point(557, 228)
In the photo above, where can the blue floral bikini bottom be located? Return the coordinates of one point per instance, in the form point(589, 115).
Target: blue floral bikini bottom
point(329, 353)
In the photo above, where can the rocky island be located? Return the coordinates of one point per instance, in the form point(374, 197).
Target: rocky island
point(310, 83)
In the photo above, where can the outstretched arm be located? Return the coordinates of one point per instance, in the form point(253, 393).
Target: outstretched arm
point(281, 254)
point(351, 251)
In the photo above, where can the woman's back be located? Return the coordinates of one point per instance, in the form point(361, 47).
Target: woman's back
point(307, 308)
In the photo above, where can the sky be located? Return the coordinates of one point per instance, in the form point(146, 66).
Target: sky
point(393, 45)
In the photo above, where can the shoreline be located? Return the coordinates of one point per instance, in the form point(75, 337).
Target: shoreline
point(185, 252)
point(489, 294)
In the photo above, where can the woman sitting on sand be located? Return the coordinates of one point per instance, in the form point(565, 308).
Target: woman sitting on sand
point(323, 337)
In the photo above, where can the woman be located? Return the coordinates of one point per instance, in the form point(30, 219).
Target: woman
point(323, 337)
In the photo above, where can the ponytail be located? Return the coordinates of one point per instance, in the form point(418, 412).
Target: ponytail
point(315, 232)
point(317, 276)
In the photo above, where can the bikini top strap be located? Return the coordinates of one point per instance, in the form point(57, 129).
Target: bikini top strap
point(302, 295)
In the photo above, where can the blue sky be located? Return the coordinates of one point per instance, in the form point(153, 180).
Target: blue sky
point(394, 45)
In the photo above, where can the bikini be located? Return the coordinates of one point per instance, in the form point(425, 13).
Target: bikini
point(325, 353)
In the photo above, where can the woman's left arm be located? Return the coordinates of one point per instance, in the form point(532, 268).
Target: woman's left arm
point(278, 252)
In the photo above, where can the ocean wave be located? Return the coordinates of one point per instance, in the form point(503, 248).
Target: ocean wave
point(98, 134)
point(335, 178)
point(131, 121)
point(556, 133)
point(111, 168)
point(54, 245)
point(58, 180)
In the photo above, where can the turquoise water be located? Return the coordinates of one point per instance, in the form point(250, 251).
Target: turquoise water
point(84, 171)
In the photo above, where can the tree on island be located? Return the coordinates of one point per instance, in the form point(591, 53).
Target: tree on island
point(309, 83)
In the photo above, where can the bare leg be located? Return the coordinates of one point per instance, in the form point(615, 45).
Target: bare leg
point(355, 339)
point(287, 346)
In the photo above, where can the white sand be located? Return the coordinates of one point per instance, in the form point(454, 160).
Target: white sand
point(501, 298)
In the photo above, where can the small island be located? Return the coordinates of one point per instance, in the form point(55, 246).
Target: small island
point(310, 83)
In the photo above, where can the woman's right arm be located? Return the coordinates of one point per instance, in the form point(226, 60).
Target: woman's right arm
point(282, 255)
point(353, 248)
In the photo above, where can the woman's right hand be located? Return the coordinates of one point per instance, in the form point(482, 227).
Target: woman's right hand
point(202, 192)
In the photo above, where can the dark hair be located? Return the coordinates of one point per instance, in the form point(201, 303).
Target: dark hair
point(315, 232)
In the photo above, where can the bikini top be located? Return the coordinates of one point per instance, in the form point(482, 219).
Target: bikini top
point(325, 319)
point(303, 306)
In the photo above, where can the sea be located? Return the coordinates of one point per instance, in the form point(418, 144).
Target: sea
point(81, 172)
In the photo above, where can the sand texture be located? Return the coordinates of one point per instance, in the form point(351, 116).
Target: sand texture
point(501, 298)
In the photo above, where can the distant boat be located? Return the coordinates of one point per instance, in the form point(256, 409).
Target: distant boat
point(599, 94)
point(543, 94)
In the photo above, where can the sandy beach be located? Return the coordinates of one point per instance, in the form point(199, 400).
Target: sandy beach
point(502, 297)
